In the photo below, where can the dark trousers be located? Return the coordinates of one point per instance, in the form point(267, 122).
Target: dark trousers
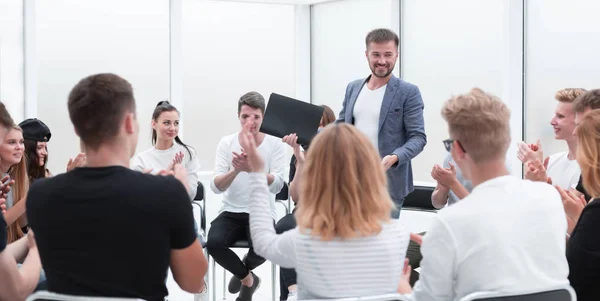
point(414, 259)
point(226, 229)
point(287, 277)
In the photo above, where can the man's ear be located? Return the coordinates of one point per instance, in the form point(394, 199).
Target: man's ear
point(129, 123)
point(458, 150)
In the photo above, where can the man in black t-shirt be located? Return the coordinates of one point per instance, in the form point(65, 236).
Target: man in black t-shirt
point(106, 230)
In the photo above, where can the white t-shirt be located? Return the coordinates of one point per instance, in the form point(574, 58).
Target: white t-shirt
point(236, 198)
point(563, 172)
point(158, 160)
point(366, 112)
point(507, 236)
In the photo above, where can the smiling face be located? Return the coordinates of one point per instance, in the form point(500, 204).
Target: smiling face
point(12, 148)
point(382, 58)
point(563, 121)
point(252, 115)
point(42, 152)
point(166, 125)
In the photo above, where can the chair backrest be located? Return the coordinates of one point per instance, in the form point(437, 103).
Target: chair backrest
point(562, 293)
point(386, 297)
point(48, 296)
point(284, 193)
point(419, 199)
point(199, 192)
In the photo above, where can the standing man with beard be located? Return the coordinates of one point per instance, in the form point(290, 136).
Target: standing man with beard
point(389, 111)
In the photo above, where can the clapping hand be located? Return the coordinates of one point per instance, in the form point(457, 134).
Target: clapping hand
point(79, 161)
point(530, 152)
point(253, 159)
point(177, 160)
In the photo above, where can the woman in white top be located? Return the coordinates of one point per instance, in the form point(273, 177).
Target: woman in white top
point(345, 244)
point(168, 148)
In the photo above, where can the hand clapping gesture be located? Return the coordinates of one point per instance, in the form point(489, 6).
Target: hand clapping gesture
point(529, 152)
point(177, 160)
point(253, 159)
point(79, 161)
point(444, 176)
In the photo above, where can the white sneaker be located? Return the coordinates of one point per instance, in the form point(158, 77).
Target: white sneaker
point(203, 295)
point(292, 296)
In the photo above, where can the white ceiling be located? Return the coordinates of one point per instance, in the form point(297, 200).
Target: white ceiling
point(307, 2)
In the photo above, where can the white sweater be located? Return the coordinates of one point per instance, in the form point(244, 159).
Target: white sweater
point(157, 160)
point(338, 268)
point(236, 198)
point(507, 236)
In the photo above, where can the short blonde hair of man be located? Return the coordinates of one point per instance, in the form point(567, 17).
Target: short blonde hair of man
point(568, 95)
point(588, 152)
point(480, 122)
point(344, 187)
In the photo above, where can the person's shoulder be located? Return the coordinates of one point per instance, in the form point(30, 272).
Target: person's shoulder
point(557, 156)
point(228, 138)
point(404, 84)
point(55, 182)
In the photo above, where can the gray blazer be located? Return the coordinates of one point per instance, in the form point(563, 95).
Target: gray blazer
point(401, 129)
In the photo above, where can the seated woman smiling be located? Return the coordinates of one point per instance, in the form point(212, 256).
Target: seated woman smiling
point(346, 244)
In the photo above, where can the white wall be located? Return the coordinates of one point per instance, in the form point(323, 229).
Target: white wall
point(447, 51)
point(11, 57)
point(561, 52)
point(79, 38)
point(338, 44)
point(229, 49)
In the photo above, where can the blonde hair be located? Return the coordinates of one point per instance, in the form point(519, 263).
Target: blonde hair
point(18, 172)
point(588, 152)
point(479, 121)
point(568, 95)
point(344, 188)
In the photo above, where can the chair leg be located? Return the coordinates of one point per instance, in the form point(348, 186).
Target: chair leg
point(224, 280)
point(214, 280)
point(273, 281)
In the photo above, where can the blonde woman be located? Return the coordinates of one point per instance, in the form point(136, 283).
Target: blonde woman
point(13, 164)
point(583, 248)
point(345, 244)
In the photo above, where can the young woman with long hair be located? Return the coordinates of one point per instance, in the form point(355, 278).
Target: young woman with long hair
point(12, 162)
point(168, 149)
point(344, 217)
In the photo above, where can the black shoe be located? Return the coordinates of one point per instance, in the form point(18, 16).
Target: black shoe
point(235, 283)
point(247, 292)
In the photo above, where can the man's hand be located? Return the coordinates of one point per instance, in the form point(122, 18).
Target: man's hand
point(536, 171)
point(530, 152)
point(417, 238)
point(3, 205)
point(444, 176)
point(240, 162)
point(254, 161)
point(292, 140)
point(31, 240)
point(5, 185)
point(79, 161)
point(388, 161)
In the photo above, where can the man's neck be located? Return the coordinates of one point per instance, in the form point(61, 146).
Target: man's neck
point(572, 144)
point(486, 171)
point(162, 144)
point(107, 156)
point(378, 82)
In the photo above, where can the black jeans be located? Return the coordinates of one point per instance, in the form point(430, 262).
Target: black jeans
point(226, 229)
point(287, 277)
point(414, 259)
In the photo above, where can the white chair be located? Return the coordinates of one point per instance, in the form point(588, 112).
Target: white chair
point(45, 295)
point(386, 297)
point(558, 293)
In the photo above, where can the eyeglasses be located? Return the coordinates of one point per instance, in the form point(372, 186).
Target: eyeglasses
point(448, 144)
